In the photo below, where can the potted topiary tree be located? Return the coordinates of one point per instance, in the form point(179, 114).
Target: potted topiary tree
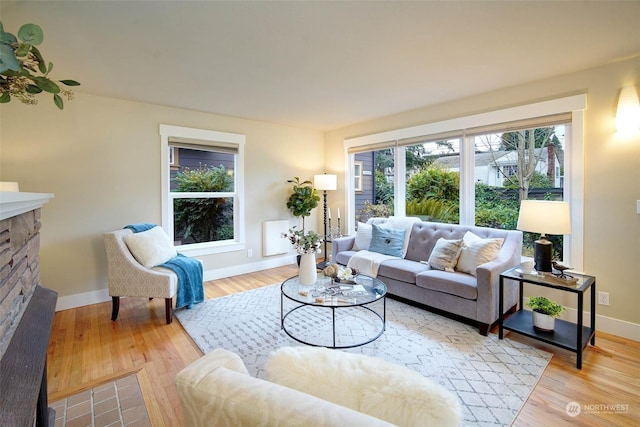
point(303, 198)
point(544, 312)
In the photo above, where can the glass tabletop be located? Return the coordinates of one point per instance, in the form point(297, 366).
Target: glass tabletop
point(327, 292)
point(572, 281)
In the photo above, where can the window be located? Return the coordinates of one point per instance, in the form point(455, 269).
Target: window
point(202, 189)
point(433, 180)
point(357, 175)
point(376, 196)
point(474, 170)
point(526, 161)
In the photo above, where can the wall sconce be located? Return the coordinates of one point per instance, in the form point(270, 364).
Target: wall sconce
point(628, 114)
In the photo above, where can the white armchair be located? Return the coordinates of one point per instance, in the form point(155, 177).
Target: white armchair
point(127, 277)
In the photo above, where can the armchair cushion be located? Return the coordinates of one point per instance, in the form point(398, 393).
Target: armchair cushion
point(151, 248)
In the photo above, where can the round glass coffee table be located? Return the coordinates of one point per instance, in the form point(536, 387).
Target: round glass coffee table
point(334, 314)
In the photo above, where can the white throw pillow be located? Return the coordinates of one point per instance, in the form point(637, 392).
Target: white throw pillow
point(363, 237)
point(445, 253)
point(477, 251)
point(151, 248)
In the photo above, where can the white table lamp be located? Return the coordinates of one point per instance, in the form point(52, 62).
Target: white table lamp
point(544, 217)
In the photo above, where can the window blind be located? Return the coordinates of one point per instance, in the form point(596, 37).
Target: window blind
point(198, 144)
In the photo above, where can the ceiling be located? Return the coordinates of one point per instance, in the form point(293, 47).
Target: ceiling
point(320, 65)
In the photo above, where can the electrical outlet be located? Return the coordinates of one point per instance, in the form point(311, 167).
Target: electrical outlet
point(603, 298)
point(249, 253)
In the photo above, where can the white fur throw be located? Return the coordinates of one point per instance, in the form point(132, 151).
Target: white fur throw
point(370, 385)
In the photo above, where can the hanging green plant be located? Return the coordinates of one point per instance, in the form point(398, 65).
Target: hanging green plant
point(24, 72)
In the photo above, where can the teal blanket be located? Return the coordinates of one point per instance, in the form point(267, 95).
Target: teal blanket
point(188, 270)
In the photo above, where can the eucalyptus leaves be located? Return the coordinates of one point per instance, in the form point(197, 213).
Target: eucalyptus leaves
point(24, 72)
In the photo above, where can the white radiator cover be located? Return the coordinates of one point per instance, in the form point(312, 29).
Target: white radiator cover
point(274, 241)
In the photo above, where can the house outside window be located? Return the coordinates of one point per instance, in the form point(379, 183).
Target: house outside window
point(202, 189)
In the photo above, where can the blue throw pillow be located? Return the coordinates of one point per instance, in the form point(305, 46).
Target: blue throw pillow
point(387, 241)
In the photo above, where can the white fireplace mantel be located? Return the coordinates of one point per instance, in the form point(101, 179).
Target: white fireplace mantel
point(16, 203)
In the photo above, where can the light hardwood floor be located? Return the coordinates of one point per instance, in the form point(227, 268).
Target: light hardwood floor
point(88, 349)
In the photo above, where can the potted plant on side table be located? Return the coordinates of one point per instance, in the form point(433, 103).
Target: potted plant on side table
point(544, 312)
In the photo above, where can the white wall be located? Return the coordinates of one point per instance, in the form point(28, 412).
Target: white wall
point(101, 159)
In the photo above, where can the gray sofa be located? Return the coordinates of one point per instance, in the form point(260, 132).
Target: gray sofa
point(457, 293)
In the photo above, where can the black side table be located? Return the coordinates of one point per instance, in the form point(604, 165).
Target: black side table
point(567, 335)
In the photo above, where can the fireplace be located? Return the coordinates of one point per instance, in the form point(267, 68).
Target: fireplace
point(26, 313)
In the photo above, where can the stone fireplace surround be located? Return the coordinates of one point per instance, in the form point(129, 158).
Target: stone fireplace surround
point(26, 312)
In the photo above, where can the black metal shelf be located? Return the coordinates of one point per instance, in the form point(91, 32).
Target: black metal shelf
point(563, 335)
point(568, 335)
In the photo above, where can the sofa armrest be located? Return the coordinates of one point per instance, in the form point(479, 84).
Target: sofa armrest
point(488, 279)
point(341, 244)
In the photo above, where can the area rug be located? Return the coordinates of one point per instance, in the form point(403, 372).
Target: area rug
point(491, 377)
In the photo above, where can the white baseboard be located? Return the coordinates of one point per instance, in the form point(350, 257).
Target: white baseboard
point(102, 295)
point(248, 268)
point(612, 326)
point(85, 298)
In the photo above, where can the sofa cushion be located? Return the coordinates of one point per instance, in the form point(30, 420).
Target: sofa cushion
point(477, 251)
point(445, 254)
point(387, 241)
point(363, 237)
point(459, 284)
point(151, 248)
point(403, 270)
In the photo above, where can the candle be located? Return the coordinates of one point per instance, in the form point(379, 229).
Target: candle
point(338, 213)
point(329, 213)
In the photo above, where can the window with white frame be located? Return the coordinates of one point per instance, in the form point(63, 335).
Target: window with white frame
point(481, 151)
point(202, 189)
point(357, 175)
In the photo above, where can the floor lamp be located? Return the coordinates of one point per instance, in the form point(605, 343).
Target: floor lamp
point(325, 183)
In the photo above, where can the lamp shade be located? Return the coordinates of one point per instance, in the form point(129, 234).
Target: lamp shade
point(325, 182)
point(544, 217)
point(628, 113)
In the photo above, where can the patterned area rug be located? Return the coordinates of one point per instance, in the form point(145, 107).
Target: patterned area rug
point(491, 377)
